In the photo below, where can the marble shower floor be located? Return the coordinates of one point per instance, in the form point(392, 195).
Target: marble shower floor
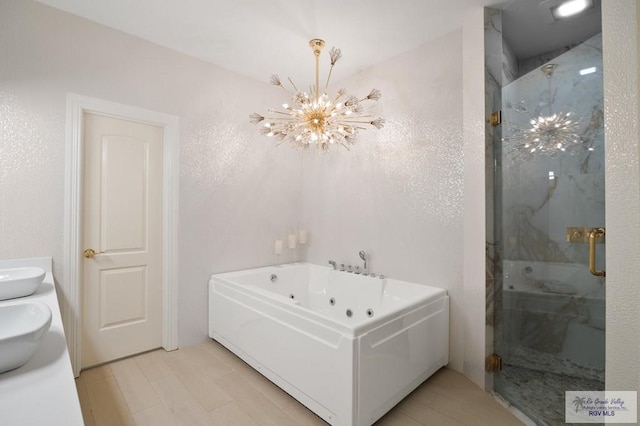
point(540, 394)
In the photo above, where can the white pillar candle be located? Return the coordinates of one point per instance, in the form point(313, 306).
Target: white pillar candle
point(292, 241)
point(277, 248)
point(303, 235)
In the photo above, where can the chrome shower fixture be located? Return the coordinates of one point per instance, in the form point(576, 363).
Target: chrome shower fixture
point(357, 270)
point(363, 256)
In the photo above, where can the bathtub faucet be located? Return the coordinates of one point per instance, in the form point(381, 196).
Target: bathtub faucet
point(363, 256)
point(333, 263)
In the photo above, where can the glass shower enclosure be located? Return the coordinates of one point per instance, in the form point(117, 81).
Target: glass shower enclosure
point(548, 307)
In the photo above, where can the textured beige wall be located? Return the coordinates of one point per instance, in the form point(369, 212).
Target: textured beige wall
point(474, 281)
point(236, 189)
point(620, 54)
point(398, 193)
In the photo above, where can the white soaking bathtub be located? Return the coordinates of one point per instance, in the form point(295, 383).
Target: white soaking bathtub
point(349, 347)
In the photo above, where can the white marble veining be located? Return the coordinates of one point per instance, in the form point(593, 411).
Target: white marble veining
point(510, 65)
point(541, 194)
point(548, 311)
point(495, 76)
point(526, 65)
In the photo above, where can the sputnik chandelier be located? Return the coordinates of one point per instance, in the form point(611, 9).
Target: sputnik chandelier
point(549, 134)
point(316, 119)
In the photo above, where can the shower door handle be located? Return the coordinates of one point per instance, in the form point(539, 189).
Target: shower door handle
point(596, 233)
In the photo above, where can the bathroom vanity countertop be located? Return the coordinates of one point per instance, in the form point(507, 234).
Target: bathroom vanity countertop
point(43, 391)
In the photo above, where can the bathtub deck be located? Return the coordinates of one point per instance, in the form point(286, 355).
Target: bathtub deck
point(206, 384)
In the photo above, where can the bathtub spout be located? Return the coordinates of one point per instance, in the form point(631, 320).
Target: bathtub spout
point(333, 263)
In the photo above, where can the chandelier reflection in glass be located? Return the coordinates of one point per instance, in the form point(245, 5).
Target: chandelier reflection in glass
point(549, 134)
point(316, 119)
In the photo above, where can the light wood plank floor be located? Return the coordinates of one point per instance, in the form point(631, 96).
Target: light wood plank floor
point(206, 384)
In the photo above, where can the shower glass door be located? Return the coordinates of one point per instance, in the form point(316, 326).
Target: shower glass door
point(549, 197)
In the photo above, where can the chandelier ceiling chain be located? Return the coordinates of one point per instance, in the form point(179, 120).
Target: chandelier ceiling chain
point(316, 119)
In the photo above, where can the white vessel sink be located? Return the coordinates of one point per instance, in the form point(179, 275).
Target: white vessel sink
point(21, 329)
point(19, 282)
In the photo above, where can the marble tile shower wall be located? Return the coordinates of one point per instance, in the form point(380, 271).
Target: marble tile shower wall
point(511, 68)
point(542, 195)
point(527, 212)
point(539, 197)
point(501, 68)
point(529, 64)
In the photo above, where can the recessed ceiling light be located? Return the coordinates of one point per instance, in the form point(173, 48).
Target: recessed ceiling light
point(586, 71)
point(570, 8)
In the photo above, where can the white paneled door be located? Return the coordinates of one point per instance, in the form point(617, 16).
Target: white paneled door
point(122, 236)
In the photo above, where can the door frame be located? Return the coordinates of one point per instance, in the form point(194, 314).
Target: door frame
point(77, 105)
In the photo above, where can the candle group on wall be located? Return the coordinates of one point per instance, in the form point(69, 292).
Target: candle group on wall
point(303, 236)
point(294, 238)
point(278, 247)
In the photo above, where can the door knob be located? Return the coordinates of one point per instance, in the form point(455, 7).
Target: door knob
point(91, 253)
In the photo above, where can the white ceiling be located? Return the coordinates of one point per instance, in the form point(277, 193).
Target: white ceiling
point(531, 30)
point(260, 37)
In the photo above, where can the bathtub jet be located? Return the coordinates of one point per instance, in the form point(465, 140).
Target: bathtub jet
point(349, 347)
